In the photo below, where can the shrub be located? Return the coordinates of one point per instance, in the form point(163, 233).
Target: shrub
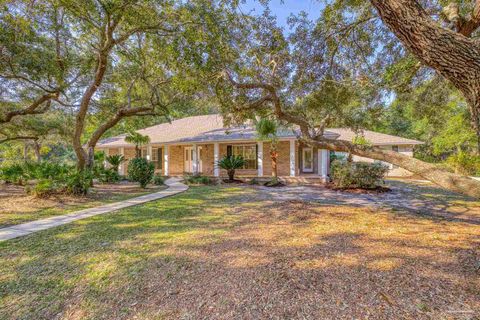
point(108, 175)
point(141, 171)
point(115, 161)
point(231, 163)
point(46, 170)
point(79, 182)
point(253, 181)
point(198, 179)
point(13, 173)
point(158, 180)
point(44, 188)
point(357, 174)
point(22, 172)
point(464, 163)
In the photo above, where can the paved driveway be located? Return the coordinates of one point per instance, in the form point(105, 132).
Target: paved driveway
point(408, 196)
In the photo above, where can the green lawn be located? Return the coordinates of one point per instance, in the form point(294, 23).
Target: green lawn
point(33, 209)
point(221, 253)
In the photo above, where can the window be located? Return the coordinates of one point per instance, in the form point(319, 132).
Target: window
point(248, 152)
point(143, 153)
point(157, 157)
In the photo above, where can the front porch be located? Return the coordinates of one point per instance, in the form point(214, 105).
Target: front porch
point(296, 163)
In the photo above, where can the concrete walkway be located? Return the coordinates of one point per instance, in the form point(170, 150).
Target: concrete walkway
point(174, 187)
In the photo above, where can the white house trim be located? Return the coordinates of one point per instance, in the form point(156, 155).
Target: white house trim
point(260, 158)
point(195, 159)
point(292, 158)
point(165, 159)
point(216, 158)
point(323, 163)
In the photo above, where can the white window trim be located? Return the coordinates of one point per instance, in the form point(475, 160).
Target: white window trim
point(254, 145)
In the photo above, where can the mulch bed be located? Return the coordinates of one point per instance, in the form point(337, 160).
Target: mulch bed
point(232, 181)
point(377, 190)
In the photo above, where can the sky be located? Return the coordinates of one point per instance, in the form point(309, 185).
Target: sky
point(283, 8)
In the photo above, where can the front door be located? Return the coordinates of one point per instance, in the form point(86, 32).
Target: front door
point(188, 159)
point(307, 157)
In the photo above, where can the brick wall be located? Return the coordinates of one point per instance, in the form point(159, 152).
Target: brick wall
point(113, 151)
point(207, 159)
point(175, 160)
point(283, 159)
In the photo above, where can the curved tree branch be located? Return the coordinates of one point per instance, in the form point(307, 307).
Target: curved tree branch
point(34, 138)
point(431, 172)
point(32, 109)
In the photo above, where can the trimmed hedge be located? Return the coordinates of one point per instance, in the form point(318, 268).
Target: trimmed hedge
point(362, 175)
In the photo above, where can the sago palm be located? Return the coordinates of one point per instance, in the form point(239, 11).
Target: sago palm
point(231, 163)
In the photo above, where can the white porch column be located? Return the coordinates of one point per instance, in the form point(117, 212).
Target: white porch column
point(149, 152)
point(292, 159)
point(260, 159)
point(165, 159)
point(195, 159)
point(216, 158)
point(122, 165)
point(323, 163)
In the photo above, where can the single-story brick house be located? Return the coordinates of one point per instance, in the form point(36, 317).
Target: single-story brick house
point(195, 144)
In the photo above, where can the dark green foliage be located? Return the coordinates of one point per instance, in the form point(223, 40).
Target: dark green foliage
point(46, 170)
point(13, 173)
point(231, 163)
point(108, 175)
point(141, 171)
point(199, 179)
point(158, 180)
point(253, 182)
point(20, 173)
point(79, 182)
point(44, 188)
point(362, 175)
point(115, 161)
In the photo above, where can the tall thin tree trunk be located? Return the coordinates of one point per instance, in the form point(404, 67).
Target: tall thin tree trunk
point(36, 149)
point(25, 151)
point(274, 156)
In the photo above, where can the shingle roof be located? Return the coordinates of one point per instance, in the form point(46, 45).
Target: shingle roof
point(210, 128)
point(376, 138)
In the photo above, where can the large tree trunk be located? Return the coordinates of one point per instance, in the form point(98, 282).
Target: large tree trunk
point(431, 172)
point(452, 54)
point(106, 45)
point(97, 134)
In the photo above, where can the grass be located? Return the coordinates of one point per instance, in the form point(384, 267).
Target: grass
point(220, 252)
point(18, 207)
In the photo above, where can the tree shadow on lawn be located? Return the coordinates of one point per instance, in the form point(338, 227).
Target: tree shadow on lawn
point(194, 256)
